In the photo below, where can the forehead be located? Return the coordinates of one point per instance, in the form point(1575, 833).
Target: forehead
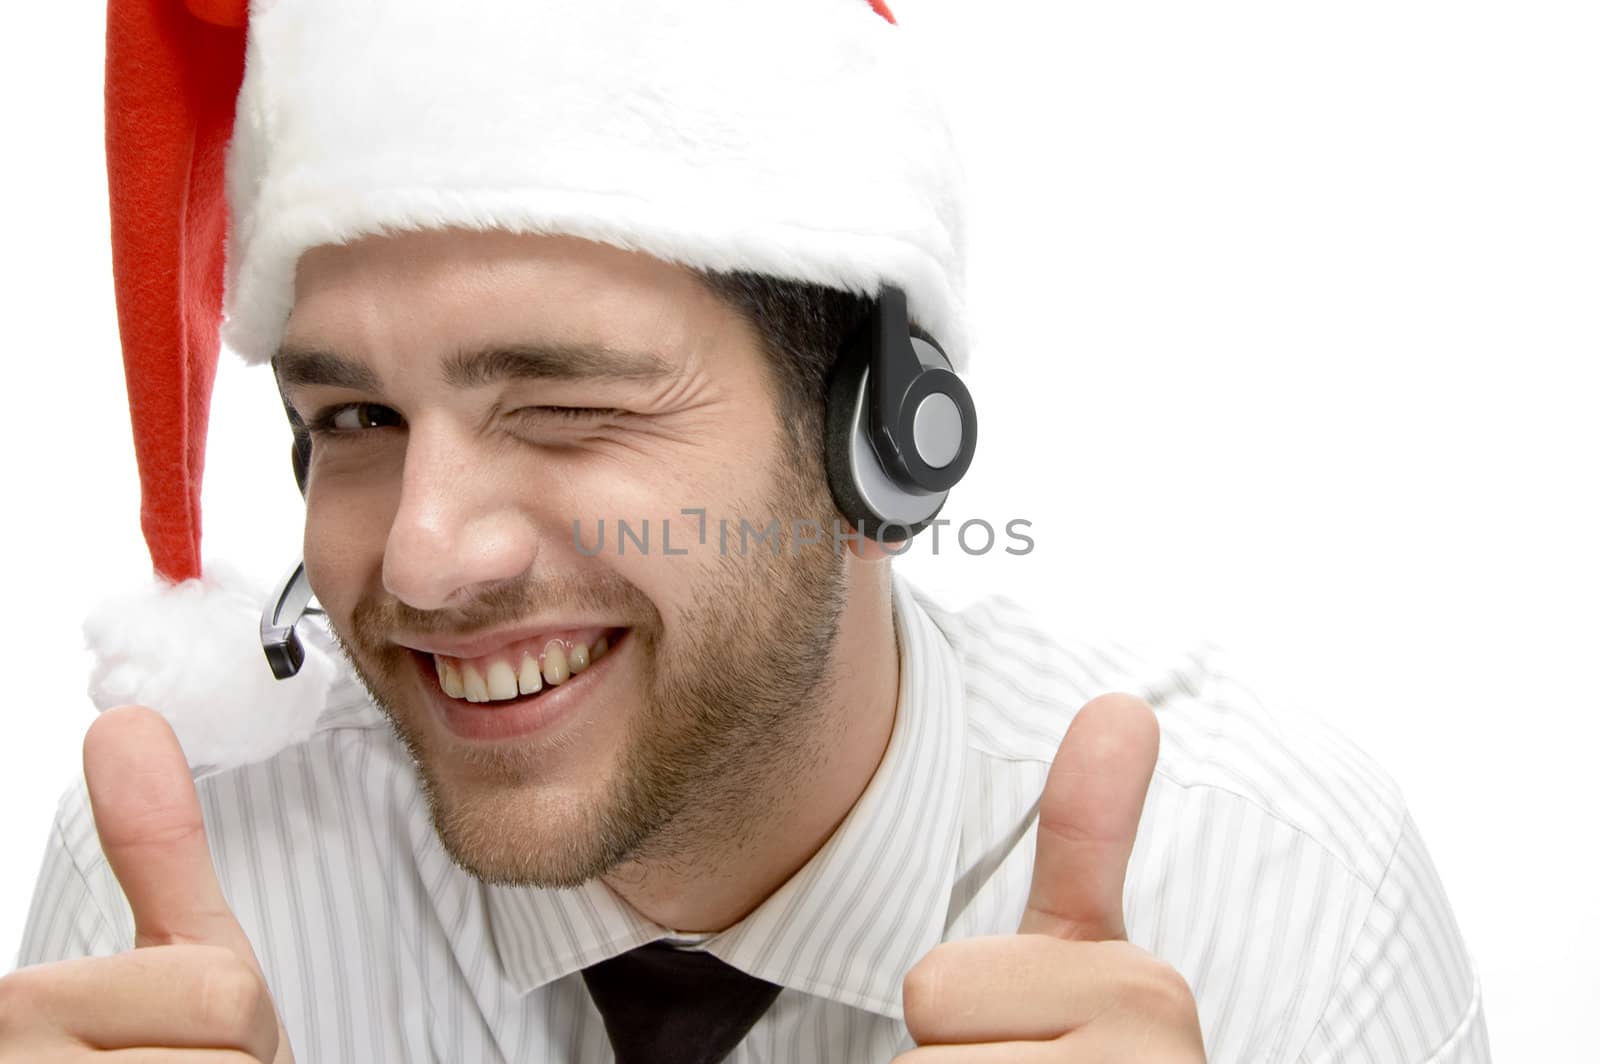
point(430, 294)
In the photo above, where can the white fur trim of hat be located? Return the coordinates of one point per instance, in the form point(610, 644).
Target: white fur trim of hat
point(802, 140)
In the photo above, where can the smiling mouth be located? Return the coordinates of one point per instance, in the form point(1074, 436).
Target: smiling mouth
point(520, 670)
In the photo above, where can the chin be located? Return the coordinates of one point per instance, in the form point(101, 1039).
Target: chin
point(530, 812)
point(532, 835)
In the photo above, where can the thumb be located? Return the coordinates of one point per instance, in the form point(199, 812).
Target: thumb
point(1088, 815)
point(148, 816)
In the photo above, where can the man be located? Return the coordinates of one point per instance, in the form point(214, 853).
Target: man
point(564, 784)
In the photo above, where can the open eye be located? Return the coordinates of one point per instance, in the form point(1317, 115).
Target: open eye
point(353, 418)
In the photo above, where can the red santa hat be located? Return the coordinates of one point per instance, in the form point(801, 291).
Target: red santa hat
point(802, 140)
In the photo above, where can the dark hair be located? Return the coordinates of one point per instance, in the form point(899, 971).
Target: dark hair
point(801, 326)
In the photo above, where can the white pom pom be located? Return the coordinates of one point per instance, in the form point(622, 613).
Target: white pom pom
point(192, 651)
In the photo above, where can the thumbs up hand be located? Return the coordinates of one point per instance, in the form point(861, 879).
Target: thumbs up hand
point(191, 990)
point(1068, 987)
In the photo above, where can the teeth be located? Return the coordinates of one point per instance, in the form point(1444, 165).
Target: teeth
point(502, 681)
point(555, 663)
point(449, 678)
point(476, 689)
point(528, 679)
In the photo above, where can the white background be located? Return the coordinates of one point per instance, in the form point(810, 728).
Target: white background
point(1287, 326)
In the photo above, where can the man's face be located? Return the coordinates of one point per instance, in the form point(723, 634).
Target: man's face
point(487, 391)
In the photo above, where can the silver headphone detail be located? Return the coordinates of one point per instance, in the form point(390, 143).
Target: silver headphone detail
point(901, 426)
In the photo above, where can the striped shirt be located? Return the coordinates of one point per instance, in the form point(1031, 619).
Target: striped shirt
point(1275, 867)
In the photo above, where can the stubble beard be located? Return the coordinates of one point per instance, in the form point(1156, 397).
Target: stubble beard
point(731, 715)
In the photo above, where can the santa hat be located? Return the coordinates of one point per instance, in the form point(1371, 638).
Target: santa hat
point(801, 139)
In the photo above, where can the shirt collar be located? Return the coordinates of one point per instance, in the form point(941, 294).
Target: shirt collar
point(854, 919)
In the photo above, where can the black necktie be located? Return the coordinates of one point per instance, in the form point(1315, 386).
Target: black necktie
point(675, 1006)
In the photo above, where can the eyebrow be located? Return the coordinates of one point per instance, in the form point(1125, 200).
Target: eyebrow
point(304, 366)
point(476, 368)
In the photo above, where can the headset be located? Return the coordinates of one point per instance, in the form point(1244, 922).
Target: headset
point(292, 598)
point(900, 432)
point(901, 426)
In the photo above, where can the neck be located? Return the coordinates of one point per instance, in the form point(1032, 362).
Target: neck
point(713, 890)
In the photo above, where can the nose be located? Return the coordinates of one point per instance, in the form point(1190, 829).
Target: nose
point(459, 523)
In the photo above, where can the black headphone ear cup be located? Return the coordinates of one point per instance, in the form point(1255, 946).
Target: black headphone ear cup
point(844, 411)
point(844, 385)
